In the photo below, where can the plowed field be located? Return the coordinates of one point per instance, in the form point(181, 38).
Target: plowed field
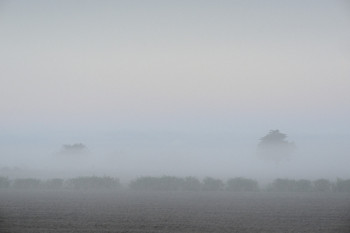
point(77, 211)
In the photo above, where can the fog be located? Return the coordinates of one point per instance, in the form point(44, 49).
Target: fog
point(131, 154)
point(154, 88)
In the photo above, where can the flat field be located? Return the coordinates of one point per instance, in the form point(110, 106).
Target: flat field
point(168, 212)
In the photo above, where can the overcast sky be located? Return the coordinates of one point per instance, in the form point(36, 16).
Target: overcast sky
point(81, 71)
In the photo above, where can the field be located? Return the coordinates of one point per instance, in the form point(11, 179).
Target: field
point(117, 211)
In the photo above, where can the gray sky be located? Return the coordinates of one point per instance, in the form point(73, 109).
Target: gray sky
point(95, 71)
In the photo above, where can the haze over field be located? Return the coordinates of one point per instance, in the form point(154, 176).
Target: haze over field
point(174, 87)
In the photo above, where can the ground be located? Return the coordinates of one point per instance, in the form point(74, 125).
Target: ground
point(121, 211)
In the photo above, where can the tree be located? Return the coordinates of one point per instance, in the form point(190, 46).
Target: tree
point(77, 148)
point(274, 146)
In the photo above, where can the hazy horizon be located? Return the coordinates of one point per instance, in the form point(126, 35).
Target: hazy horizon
point(175, 87)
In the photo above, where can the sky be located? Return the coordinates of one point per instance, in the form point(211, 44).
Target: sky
point(169, 80)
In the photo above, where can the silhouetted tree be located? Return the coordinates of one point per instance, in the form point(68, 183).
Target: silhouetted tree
point(77, 148)
point(274, 146)
point(241, 184)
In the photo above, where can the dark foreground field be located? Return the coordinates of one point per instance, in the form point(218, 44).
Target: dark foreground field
point(74, 211)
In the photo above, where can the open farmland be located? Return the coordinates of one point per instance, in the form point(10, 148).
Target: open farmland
point(118, 211)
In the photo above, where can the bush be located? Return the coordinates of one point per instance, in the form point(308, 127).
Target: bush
point(241, 184)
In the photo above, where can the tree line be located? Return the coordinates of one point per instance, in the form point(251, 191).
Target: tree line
point(172, 183)
point(84, 182)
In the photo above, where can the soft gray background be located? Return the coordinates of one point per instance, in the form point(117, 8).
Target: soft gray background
point(174, 87)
